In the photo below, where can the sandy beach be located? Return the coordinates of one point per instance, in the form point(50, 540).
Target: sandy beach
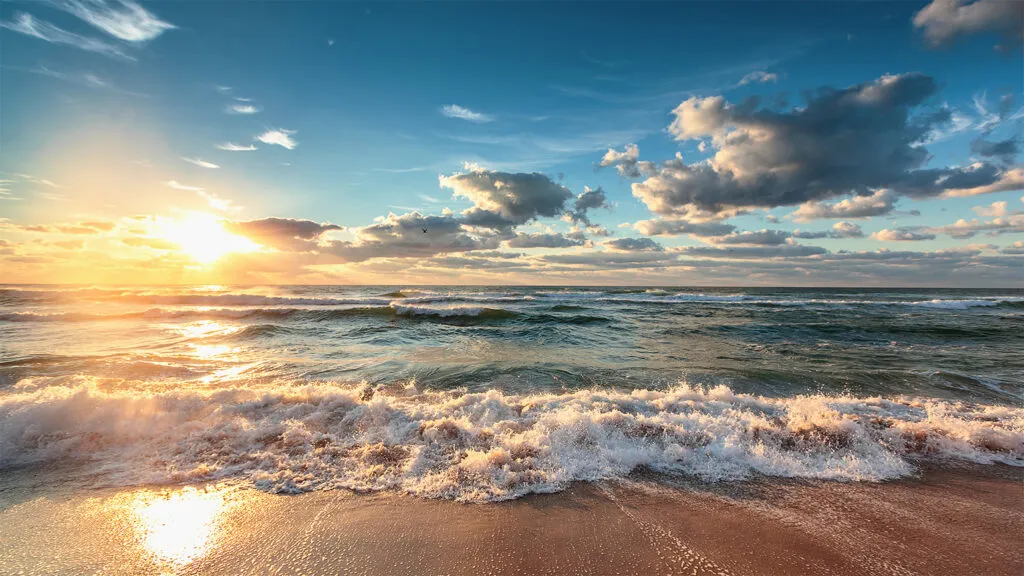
point(967, 520)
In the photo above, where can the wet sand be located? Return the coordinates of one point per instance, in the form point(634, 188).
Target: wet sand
point(967, 520)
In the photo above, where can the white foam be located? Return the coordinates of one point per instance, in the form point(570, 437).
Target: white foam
point(482, 446)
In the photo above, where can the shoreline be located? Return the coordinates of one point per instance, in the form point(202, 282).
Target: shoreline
point(949, 520)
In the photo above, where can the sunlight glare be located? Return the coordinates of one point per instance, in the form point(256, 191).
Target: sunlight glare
point(202, 237)
point(178, 527)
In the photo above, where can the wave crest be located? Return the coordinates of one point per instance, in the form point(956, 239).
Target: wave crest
point(485, 446)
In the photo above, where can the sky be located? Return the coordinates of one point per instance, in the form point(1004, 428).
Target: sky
point(669, 143)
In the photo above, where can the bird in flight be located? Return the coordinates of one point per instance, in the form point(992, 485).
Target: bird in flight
point(424, 230)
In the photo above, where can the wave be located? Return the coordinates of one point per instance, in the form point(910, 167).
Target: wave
point(484, 446)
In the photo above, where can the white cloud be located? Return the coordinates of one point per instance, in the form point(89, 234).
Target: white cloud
point(179, 186)
point(242, 109)
point(29, 26)
point(199, 162)
point(279, 137)
point(760, 77)
point(993, 210)
point(904, 235)
point(124, 19)
point(456, 111)
point(945, 20)
point(231, 147)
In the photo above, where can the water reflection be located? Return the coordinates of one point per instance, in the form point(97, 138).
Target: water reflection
point(180, 526)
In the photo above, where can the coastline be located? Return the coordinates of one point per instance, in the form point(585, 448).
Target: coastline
point(950, 520)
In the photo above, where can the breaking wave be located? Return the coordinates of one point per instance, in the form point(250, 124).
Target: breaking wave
point(483, 446)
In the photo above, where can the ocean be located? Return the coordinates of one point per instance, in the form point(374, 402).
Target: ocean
point(491, 393)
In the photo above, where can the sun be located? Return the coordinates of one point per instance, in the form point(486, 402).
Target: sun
point(202, 237)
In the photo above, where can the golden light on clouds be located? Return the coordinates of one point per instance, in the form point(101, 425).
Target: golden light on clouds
point(202, 238)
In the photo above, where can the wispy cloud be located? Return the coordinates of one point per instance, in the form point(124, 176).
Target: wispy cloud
point(279, 137)
point(124, 19)
point(28, 25)
point(402, 170)
point(242, 109)
point(81, 78)
point(199, 162)
point(430, 199)
point(215, 202)
point(456, 111)
point(179, 186)
point(759, 77)
point(232, 147)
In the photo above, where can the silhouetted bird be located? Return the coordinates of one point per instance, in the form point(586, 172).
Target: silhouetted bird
point(424, 230)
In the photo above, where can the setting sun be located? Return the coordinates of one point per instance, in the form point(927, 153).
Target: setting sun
point(202, 237)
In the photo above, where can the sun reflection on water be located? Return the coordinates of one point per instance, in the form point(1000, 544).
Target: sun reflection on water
point(181, 526)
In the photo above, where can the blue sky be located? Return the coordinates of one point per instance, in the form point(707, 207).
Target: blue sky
point(376, 101)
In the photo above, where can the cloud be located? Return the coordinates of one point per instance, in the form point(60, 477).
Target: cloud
point(284, 234)
point(200, 163)
point(279, 137)
point(855, 140)
point(627, 162)
point(879, 203)
point(503, 199)
point(756, 237)
point(1004, 150)
point(588, 200)
point(839, 230)
point(1012, 223)
point(124, 19)
point(179, 186)
point(901, 235)
point(92, 227)
point(231, 147)
point(403, 236)
point(995, 209)
point(634, 245)
point(29, 26)
point(946, 20)
point(542, 241)
point(753, 252)
point(456, 111)
point(242, 109)
point(758, 76)
point(1016, 248)
point(670, 227)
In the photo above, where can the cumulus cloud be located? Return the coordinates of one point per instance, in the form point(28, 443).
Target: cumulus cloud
point(634, 245)
point(279, 137)
point(285, 234)
point(403, 236)
point(543, 241)
point(901, 235)
point(232, 147)
point(503, 199)
point(456, 111)
point(589, 199)
point(856, 140)
point(943, 21)
point(626, 162)
point(1006, 223)
point(753, 237)
point(758, 77)
point(201, 163)
point(839, 230)
point(1015, 248)
point(879, 203)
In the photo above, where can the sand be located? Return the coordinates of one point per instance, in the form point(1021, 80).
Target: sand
point(967, 520)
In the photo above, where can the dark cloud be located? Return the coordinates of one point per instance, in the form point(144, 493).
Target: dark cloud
point(856, 140)
point(839, 230)
point(543, 241)
point(1003, 150)
point(282, 233)
point(634, 245)
point(404, 237)
point(504, 200)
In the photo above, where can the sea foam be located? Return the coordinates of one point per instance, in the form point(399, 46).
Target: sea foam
point(482, 446)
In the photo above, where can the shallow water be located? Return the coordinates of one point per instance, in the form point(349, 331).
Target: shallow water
point(490, 393)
